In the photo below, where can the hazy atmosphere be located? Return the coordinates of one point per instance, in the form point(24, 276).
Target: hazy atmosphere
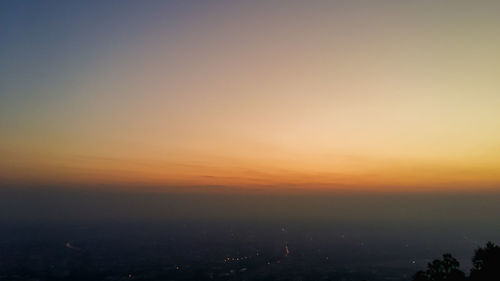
point(249, 140)
point(366, 94)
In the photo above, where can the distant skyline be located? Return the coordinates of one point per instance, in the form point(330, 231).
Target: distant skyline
point(330, 95)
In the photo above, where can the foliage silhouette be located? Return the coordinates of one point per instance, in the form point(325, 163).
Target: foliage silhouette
point(446, 269)
point(486, 263)
point(486, 267)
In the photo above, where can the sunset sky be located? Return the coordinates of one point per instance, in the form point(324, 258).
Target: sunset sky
point(332, 95)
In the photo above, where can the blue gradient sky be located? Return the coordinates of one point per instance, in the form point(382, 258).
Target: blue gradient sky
point(356, 95)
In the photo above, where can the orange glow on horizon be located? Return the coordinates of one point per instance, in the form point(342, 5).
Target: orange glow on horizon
point(324, 96)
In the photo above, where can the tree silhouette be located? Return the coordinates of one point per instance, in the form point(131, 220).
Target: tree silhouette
point(485, 267)
point(446, 269)
point(486, 263)
point(420, 276)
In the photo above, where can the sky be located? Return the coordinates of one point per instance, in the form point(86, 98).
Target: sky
point(278, 95)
